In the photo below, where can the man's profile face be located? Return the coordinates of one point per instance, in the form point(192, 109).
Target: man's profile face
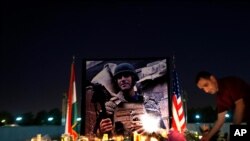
point(124, 81)
point(209, 86)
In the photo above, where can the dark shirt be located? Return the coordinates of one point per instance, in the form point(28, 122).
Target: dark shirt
point(232, 89)
point(136, 98)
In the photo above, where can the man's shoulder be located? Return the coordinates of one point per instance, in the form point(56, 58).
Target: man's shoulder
point(231, 80)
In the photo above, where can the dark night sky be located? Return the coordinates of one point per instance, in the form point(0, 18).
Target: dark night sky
point(38, 40)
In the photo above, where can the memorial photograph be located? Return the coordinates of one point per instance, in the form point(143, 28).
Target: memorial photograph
point(126, 96)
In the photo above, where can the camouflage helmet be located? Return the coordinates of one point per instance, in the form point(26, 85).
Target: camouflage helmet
point(125, 68)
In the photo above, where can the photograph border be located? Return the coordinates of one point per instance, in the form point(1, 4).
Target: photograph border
point(134, 61)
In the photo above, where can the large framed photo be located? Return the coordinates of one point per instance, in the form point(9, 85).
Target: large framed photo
point(108, 81)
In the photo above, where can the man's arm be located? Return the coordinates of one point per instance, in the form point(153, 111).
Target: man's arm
point(239, 111)
point(217, 125)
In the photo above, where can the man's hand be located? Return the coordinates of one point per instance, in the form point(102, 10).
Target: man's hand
point(216, 127)
point(137, 126)
point(205, 138)
point(106, 125)
point(111, 105)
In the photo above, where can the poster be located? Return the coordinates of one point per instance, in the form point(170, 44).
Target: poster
point(99, 87)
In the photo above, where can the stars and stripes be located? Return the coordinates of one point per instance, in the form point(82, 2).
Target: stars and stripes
point(178, 120)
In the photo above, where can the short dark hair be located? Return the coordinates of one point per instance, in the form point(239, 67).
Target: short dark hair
point(202, 74)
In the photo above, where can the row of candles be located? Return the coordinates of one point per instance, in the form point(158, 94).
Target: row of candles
point(135, 137)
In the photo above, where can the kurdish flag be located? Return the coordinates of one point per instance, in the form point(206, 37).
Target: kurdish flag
point(71, 115)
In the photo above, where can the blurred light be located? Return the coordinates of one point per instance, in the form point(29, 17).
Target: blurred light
point(197, 116)
point(227, 116)
point(3, 120)
point(50, 118)
point(79, 119)
point(13, 125)
point(153, 139)
point(150, 123)
point(19, 118)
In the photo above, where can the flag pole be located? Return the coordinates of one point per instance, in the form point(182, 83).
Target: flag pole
point(71, 114)
point(178, 110)
point(183, 93)
point(171, 66)
point(73, 57)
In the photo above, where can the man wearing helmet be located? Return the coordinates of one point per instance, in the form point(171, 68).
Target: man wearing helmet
point(125, 79)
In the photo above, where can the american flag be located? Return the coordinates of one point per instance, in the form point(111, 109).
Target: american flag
point(178, 120)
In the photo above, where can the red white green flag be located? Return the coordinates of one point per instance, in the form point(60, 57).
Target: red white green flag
point(71, 116)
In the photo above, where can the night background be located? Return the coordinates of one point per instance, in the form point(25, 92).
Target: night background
point(38, 40)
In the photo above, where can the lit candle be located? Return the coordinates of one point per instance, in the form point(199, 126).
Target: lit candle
point(135, 136)
point(153, 139)
point(143, 138)
point(83, 138)
point(105, 137)
point(97, 139)
point(118, 138)
point(39, 137)
point(139, 137)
